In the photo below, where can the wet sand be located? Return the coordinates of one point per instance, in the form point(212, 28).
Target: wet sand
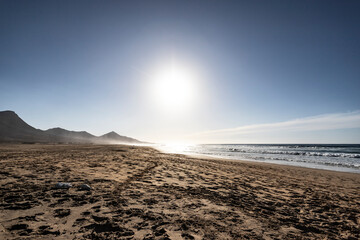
point(141, 193)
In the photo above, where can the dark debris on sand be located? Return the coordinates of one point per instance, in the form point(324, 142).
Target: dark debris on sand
point(140, 193)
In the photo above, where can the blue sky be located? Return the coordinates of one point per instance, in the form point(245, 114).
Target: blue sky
point(84, 65)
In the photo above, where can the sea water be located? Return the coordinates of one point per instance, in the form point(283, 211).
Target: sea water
point(338, 157)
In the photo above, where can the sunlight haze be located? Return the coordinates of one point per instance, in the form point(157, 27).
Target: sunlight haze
point(167, 71)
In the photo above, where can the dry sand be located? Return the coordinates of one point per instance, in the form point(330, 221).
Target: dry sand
point(140, 193)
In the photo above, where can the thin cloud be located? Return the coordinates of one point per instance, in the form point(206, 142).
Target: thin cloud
point(314, 123)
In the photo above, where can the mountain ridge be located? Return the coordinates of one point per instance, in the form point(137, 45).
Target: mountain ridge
point(15, 129)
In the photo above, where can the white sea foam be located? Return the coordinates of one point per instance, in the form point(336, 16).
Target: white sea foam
point(333, 157)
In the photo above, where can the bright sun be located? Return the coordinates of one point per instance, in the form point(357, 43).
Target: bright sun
point(174, 86)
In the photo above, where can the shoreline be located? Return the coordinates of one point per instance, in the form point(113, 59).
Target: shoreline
point(355, 171)
point(307, 165)
point(142, 193)
point(270, 164)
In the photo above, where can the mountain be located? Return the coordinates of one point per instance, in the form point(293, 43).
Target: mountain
point(113, 137)
point(14, 129)
point(75, 136)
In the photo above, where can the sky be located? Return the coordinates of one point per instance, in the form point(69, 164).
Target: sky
point(246, 71)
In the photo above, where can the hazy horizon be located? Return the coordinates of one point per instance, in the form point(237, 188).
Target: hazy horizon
point(185, 72)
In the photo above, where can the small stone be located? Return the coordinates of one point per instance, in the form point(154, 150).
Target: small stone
point(61, 185)
point(85, 187)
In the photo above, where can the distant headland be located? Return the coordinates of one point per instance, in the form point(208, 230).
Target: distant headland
point(14, 129)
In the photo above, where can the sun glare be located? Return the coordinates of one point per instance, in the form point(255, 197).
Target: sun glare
point(174, 86)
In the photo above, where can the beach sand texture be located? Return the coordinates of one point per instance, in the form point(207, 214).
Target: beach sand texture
point(141, 193)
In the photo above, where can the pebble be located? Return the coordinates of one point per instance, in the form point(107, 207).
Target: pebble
point(63, 185)
point(85, 187)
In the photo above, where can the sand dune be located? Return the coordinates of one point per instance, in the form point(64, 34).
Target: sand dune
point(140, 193)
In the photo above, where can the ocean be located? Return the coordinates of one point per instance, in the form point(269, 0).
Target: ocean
point(337, 157)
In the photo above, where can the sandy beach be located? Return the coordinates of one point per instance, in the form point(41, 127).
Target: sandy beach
point(141, 193)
